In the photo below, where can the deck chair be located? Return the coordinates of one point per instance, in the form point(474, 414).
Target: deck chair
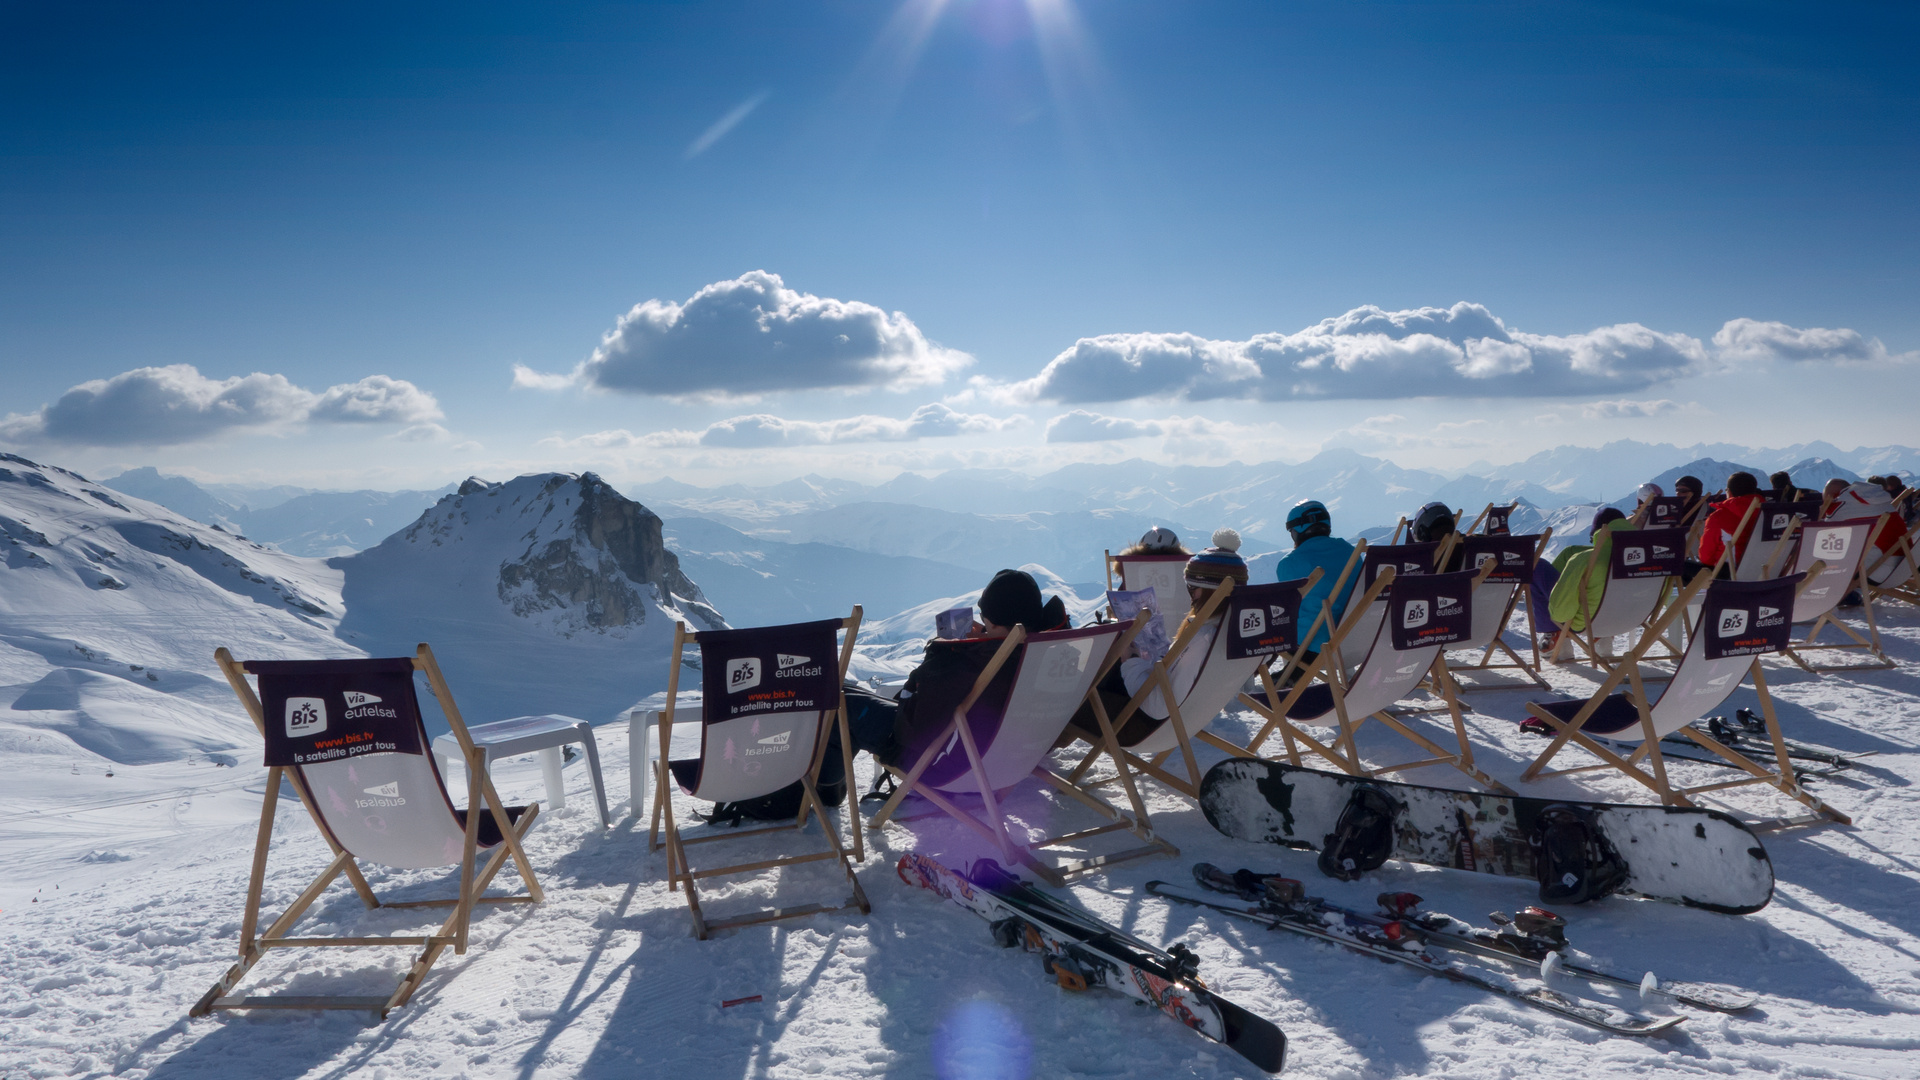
point(767, 696)
point(1640, 567)
point(1510, 560)
point(1742, 622)
point(1893, 574)
point(1247, 627)
point(989, 747)
point(1426, 614)
point(1842, 547)
point(1667, 512)
point(1166, 575)
point(348, 736)
point(1771, 545)
point(1404, 560)
point(1492, 521)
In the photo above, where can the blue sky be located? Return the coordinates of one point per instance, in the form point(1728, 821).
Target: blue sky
point(353, 223)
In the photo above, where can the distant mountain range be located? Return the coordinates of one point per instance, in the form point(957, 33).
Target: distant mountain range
point(295, 520)
point(812, 546)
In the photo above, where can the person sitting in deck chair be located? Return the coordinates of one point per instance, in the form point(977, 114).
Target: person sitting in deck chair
point(1316, 548)
point(1204, 574)
point(1743, 492)
point(898, 730)
point(1434, 523)
point(1688, 488)
point(1573, 565)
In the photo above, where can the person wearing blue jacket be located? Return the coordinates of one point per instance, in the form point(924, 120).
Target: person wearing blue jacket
point(1314, 545)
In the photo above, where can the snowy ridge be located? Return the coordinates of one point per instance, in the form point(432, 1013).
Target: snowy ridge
point(110, 611)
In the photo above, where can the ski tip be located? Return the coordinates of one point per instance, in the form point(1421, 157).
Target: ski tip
point(1255, 1038)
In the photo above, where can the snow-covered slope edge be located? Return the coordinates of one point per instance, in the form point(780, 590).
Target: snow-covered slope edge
point(548, 593)
point(111, 608)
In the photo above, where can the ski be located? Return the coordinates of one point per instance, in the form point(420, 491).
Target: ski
point(1080, 952)
point(1533, 936)
point(1387, 943)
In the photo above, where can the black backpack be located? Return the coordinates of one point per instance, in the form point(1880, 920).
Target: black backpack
point(1573, 859)
point(1363, 836)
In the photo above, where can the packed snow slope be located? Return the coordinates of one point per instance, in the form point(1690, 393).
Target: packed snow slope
point(104, 947)
point(548, 593)
point(111, 609)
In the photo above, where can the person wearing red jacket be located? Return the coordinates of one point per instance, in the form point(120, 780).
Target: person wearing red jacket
point(1743, 491)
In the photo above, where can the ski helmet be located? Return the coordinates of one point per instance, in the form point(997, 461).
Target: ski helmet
point(1433, 522)
point(1308, 519)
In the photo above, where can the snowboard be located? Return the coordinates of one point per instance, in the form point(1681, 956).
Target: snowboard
point(1694, 856)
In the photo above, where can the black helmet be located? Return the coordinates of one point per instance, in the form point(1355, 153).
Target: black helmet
point(1308, 519)
point(1433, 522)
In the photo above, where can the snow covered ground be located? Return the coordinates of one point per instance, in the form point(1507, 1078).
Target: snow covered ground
point(123, 896)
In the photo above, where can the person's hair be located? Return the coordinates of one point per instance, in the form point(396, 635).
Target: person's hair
point(1688, 483)
point(1893, 484)
point(1743, 483)
point(1606, 515)
point(1782, 483)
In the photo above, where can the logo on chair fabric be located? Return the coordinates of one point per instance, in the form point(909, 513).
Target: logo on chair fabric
point(787, 660)
point(1834, 543)
point(1253, 622)
point(306, 716)
point(1780, 521)
point(363, 706)
point(743, 674)
point(355, 699)
point(1662, 552)
point(777, 740)
point(1486, 557)
point(1768, 612)
point(1633, 556)
point(1733, 622)
point(387, 794)
point(1416, 614)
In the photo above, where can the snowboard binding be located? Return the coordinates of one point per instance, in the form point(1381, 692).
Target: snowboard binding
point(1362, 837)
point(1573, 859)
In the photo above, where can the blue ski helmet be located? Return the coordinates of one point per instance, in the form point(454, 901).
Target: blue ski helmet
point(1308, 519)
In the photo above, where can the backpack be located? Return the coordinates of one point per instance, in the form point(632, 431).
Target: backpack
point(1362, 838)
point(1573, 859)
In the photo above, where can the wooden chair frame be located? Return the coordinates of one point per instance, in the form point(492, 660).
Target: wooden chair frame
point(1906, 589)
point(1345, 754)
point(1649, 753)
point(680, 871)
point(1161, 680)
point(254, 943)
point(994, 827)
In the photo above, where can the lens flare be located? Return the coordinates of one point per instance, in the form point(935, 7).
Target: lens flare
point(981, 1040)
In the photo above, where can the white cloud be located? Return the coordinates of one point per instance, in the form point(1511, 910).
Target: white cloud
point(376, 399)
point(1624, 410)
point(752, 336)
point(1751, 340)
point(1461, 351)
point(928, 421)
point(525, 378)
point(165, 406)
point(1083, 426)
point(763, 430)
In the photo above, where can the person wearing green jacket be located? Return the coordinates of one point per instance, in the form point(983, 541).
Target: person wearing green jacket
point(1575, 564)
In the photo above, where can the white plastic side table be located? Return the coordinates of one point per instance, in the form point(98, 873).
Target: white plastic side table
point(527, 734)
point(641, 744)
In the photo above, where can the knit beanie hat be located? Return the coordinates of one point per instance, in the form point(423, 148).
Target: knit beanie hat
point(1218, 563)
point(1011, 598)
